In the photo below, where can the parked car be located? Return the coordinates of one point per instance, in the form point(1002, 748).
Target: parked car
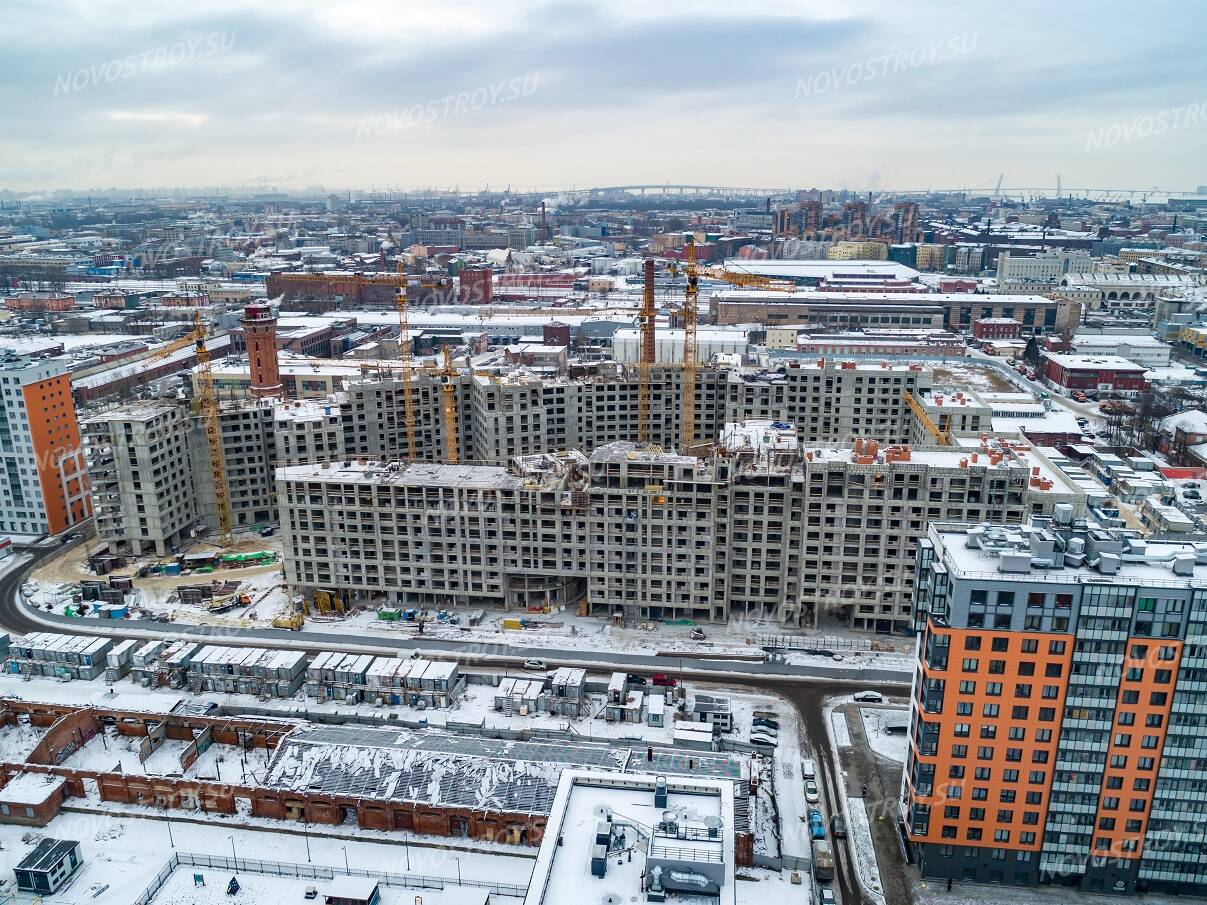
point(812, 796)
point(817, 825)
point(763, 741)
point(838, 827)
point(869, 697)
point(535, 664)
point(766, 721)
point(663, 680)
point(638, 680)
point(1082, 421)
point(825, 896)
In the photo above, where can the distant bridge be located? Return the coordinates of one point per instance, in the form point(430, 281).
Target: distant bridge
point(675, 189)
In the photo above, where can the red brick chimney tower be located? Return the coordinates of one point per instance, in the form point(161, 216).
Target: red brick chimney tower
point(260, 327)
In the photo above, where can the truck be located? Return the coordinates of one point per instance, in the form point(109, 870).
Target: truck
point(823, 860)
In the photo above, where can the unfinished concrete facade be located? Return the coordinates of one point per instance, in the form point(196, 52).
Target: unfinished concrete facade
point(644, 534)
point(142, 477)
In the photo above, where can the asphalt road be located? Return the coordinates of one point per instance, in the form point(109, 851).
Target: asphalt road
point(833, 787)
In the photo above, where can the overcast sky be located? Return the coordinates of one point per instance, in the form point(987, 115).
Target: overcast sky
point(543, 95)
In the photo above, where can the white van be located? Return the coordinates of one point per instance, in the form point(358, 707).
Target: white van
point(808, 769)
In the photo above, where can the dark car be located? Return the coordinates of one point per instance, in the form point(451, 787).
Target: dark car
point(638, 680)
point(765, 721)
point(838, 827)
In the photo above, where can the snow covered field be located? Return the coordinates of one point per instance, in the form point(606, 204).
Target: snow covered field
point(889, 745)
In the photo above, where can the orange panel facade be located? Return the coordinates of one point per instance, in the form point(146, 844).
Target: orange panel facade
point(55, 433)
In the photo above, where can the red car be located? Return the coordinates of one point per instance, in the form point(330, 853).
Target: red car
point(661, 678)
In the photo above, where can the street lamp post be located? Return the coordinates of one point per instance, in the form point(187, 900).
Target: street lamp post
point(345, 850)
point(234, 855)
point(458, 860)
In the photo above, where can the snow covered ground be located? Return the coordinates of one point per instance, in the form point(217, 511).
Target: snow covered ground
point(838, 724)
point(126, 854)
point(769, 887)
point(890, 745)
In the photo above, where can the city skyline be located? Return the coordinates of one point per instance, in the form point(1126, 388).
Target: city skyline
point(860, 96)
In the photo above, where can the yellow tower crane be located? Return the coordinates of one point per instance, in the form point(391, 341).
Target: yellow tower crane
point(404, 358)
point(448, 390)
point(207, 406)
point(647, 353)
point(941, 434)
point(690, 349)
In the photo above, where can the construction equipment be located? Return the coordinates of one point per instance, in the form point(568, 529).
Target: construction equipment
point(942, 437)
point(207, 401)
point(448, 391)
point(404, 359)
point(290, 617)
point(207, 408)
point(690, 349)
point(647, 353)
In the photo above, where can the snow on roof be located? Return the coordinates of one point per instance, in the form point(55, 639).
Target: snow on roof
point(1191, 421)
point(30, 788)
point(432, 768)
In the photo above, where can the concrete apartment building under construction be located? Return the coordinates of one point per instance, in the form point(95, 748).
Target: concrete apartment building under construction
point(499, 417)
point(759, 527)
point(149, 466)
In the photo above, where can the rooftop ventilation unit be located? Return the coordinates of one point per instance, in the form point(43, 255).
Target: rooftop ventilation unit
point(1183, 564)
point(1015, 562)
point(1108, 563)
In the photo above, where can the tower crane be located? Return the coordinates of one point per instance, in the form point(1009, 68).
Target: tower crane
point(647, 353)
point(690, 349)
point(448, 390)
point(207, 408)
point(404, 360)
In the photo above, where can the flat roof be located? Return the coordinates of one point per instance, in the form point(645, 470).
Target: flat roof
point(1093, 362)
point(562, 872)
point(30, 788)
point(407, 474)
point(1153, 570)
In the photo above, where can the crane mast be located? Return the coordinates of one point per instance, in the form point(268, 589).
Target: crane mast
point(647, 354)
point(449, 392)
point(690, 313)
point(404, 359)
point(208, 408)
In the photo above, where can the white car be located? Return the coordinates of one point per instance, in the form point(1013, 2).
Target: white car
point(811, 794)
point(535, 664)
point(869, 697)
point(826, 896)
point(767, 741)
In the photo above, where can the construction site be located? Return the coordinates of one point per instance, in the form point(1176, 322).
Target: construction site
point(705, 491)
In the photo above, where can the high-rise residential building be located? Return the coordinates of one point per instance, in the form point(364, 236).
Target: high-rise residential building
point(44, 487)
point(1057, 732)
point(761, 528)
point(142, 477)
